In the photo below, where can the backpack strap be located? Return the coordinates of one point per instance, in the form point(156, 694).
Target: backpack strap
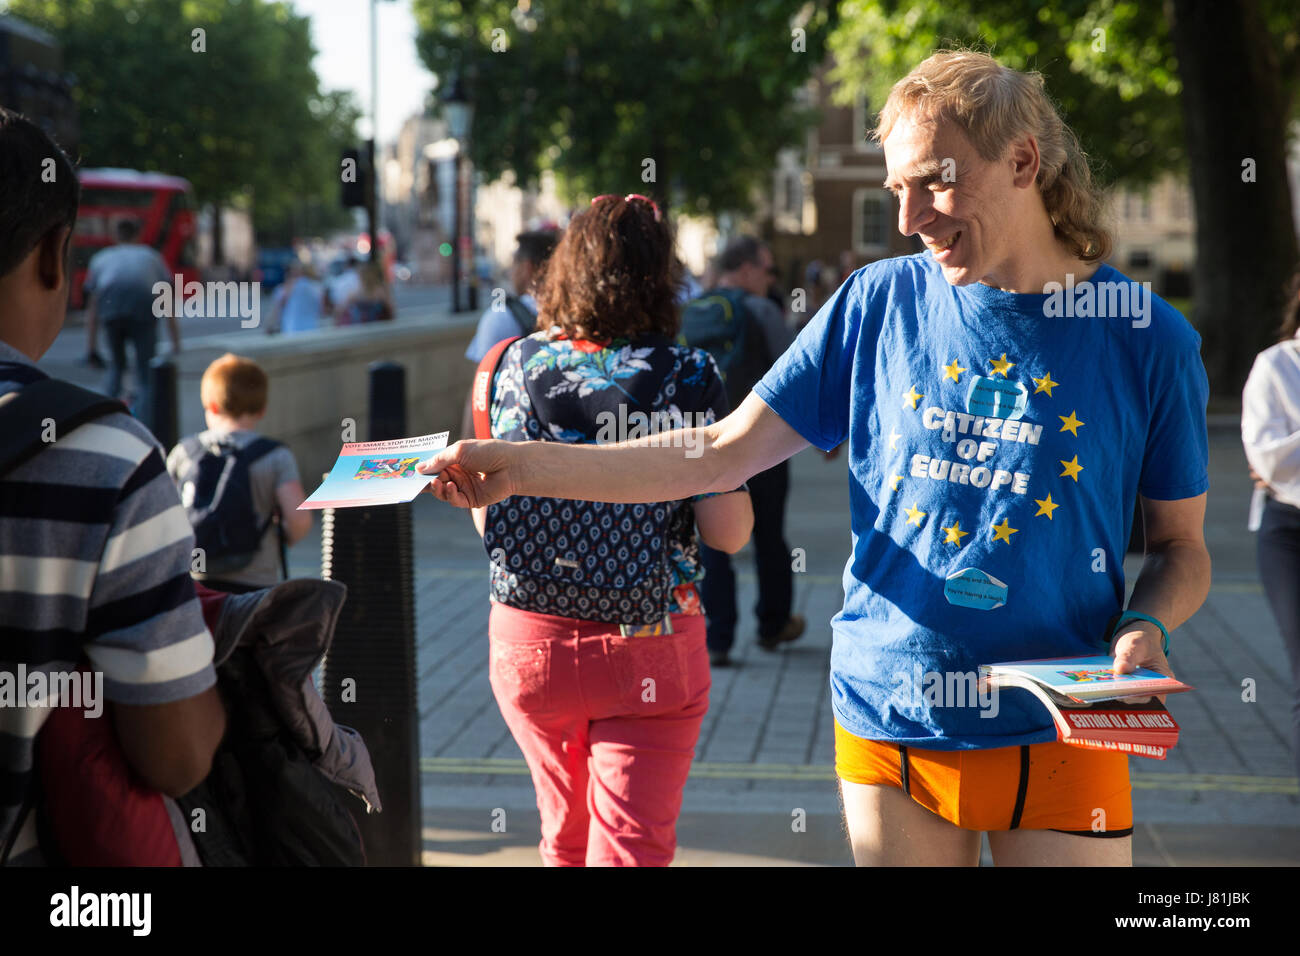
point(21, 418)
point(523, 316)
point(258, 448)
point(255, 450)
point(481, 396)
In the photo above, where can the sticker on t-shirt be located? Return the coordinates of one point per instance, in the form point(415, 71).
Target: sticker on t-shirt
point(997, 398)
point(971, 587)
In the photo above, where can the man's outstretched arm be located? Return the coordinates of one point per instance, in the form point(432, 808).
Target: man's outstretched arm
point(663, 467)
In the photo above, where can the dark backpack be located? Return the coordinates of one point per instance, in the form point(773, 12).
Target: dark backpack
point(220, 508)
point(719, 323)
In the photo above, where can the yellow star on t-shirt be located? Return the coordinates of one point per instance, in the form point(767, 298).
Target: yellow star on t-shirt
point(913, 515)
point(955, 534)
point(893, 440)
point(1045, 384)
point(1001, 365)
point(1004, 531)
point(1070, 424)
point(913, 396)
point(1072, 468)
point(893, 482)
point(1046, 506)
point(953, 371)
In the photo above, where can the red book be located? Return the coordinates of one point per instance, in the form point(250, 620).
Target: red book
point(1086, 706)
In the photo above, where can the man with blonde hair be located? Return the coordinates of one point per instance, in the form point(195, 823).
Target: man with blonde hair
point(1005, 398)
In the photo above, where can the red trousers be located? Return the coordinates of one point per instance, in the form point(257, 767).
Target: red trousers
point(608, 726)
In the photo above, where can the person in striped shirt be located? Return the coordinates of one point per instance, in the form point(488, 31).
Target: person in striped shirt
point(95, 548)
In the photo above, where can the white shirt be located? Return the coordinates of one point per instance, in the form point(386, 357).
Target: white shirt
point(1270, 419)
point(342, 286)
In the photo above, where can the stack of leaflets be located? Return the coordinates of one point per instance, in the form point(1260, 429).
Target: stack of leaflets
point(1083, 696)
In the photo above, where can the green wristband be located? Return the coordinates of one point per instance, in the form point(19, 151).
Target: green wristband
point(1138, 615)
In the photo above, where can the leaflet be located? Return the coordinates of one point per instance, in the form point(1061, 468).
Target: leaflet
point(376, 473)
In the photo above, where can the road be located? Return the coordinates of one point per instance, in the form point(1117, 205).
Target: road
point(61, 359)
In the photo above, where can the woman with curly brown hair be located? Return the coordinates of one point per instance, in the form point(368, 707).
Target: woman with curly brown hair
point(598, 658)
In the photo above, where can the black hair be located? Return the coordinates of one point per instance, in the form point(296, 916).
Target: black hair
point(39, 190)
point(737, 252)
point(536, 246)
point(127, 230)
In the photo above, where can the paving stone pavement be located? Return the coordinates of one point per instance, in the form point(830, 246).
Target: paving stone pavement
point(762, 790)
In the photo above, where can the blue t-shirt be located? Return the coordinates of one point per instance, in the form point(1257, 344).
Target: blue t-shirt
point(997, 443)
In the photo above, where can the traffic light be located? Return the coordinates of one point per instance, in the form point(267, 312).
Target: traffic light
point(354, 178)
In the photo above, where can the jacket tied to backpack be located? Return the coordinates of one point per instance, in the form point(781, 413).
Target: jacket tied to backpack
point(274, 796)
point(279, 787)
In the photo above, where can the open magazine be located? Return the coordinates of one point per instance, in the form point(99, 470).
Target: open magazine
point(376, 473)
point(1083, 695)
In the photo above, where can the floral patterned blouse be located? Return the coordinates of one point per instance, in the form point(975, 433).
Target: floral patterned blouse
point(552, 388)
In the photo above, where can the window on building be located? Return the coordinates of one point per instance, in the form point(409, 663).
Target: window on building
point(872, 215)
point(1139, 259)
point(789, 198)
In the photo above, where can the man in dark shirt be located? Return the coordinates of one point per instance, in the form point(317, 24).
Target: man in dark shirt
point(746, 264)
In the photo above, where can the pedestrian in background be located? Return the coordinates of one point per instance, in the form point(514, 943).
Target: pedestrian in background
point(119, 284)
point(343, 284)
point(516, 313)
point(1270, 432)
point(372, 302)
point(745, 272)
point(299, 302)
point(598, 655)
point(240, 489)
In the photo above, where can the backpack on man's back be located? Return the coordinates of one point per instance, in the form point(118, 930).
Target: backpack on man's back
point(720, 323)
point(217, 491)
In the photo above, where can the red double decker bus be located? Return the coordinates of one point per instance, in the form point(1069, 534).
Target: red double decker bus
point(162, 205)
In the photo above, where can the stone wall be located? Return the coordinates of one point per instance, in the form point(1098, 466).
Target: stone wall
point(318, 379)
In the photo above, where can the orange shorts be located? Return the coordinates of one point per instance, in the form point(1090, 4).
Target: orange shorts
point(1050, 786)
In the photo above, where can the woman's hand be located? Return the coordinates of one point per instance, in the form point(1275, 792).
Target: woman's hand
point(1259, 482)
point(471, 474)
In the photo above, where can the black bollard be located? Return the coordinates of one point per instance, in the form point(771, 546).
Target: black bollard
point(161, 412)
point(369, 679)
point(387, 401)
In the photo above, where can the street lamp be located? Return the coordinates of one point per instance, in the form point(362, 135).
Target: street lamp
point(460, 114)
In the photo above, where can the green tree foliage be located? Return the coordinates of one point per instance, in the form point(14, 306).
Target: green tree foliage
point(243, 120)
point(1109, 65)
point(593, 88)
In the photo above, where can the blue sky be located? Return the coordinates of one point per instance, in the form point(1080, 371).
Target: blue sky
point(341, 30)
